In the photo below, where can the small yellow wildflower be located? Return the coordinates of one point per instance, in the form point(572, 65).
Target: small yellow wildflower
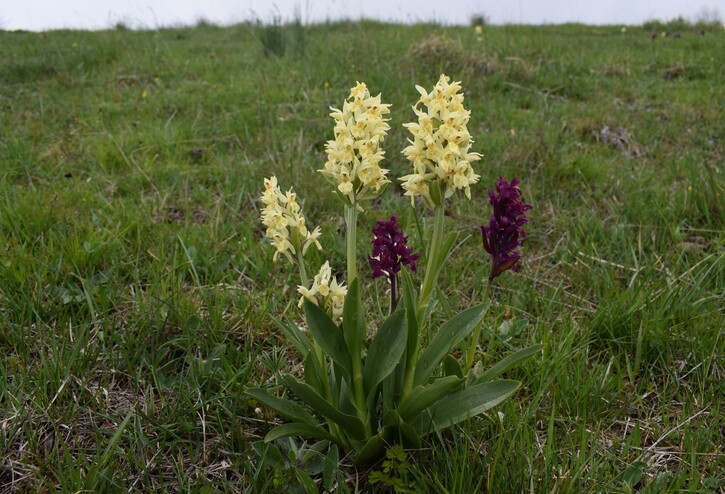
point(285, 223)
point(354, 156)
point(144, 94)
point(326, 293)
point(440, 149)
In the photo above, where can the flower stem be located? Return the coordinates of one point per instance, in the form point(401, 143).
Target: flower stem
point(393, 293)
point(359, 390)
point(357, 375)
point(476, 333)
point(303, 272)
point(351, 224)
point(431, 270)
point(321, 360)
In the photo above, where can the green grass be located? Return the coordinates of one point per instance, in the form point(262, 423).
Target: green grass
point(136, 290)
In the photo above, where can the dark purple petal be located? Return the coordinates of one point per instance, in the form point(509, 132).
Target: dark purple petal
point(390, 251)
point(504, 233)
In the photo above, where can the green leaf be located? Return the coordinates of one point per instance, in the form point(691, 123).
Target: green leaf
point(353, 320)
point(506, 363)
point(404, 432)
point(306, 431)
point(444, 253)
point(110, 449)
point(409, 435)
point(512, 327)
point(327, 335)
point(448, 336)
point(421, 397)
point(332, 468)
point(374, 448)
point(385, 351)
point(451, 367)
point(312, 455)
point(305, 481)
point(284, 407)
point(411, 305)
point(393, 384)
point(633, 474)
point(463, 405)
point(349, 423)
point(434, 191)
point(297, 338)
point(312, 372)
point(270, 454)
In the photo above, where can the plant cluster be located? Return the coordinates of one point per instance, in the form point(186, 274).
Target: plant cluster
point(372, 388)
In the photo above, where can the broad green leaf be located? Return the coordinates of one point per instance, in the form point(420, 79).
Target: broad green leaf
point(385, 351)
point(353, 320)
point(451, 367)
point(284, 407)
point(349, 423)
point(332, 467)
point(446, 249)
point(392, 387)
point(443, 254)
point(404, 432)
point(344, 400)
point(314, 453)
point(463, 405)
point(312, 372)
point(410, 436)
point(446, 307)
point(305, 481)
point(297, 338)
point(512, 327)
point(633, 474)
point(411, 304)
point(448, 336)
point(374, 448)
point(306, 431)
point(426, 395)
point(393, 384)
point(327, 335)
point(270, 454)
point(506, 363)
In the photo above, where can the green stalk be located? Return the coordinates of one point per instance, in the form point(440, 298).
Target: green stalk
point(357, 375)
point(359, 388)
point(334, 429)
point(303, 272)
point(428, 283)
point(393, 293)
point(410, 362)
point(351, 224)
point(476, 333)
point(431, 270)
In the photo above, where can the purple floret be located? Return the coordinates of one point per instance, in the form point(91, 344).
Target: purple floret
point(390, 251)
point(504, 233)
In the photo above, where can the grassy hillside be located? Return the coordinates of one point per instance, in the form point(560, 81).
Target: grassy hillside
point(136, 290)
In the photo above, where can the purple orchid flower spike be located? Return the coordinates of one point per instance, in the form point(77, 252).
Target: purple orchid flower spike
point(504, 233)
point(390, 254)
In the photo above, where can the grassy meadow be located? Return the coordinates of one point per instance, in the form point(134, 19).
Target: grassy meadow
point(137, 290)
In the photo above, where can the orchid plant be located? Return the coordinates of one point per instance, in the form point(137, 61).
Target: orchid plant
point(370, 388)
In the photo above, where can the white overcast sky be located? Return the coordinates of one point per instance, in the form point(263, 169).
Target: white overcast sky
point(38, 15)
